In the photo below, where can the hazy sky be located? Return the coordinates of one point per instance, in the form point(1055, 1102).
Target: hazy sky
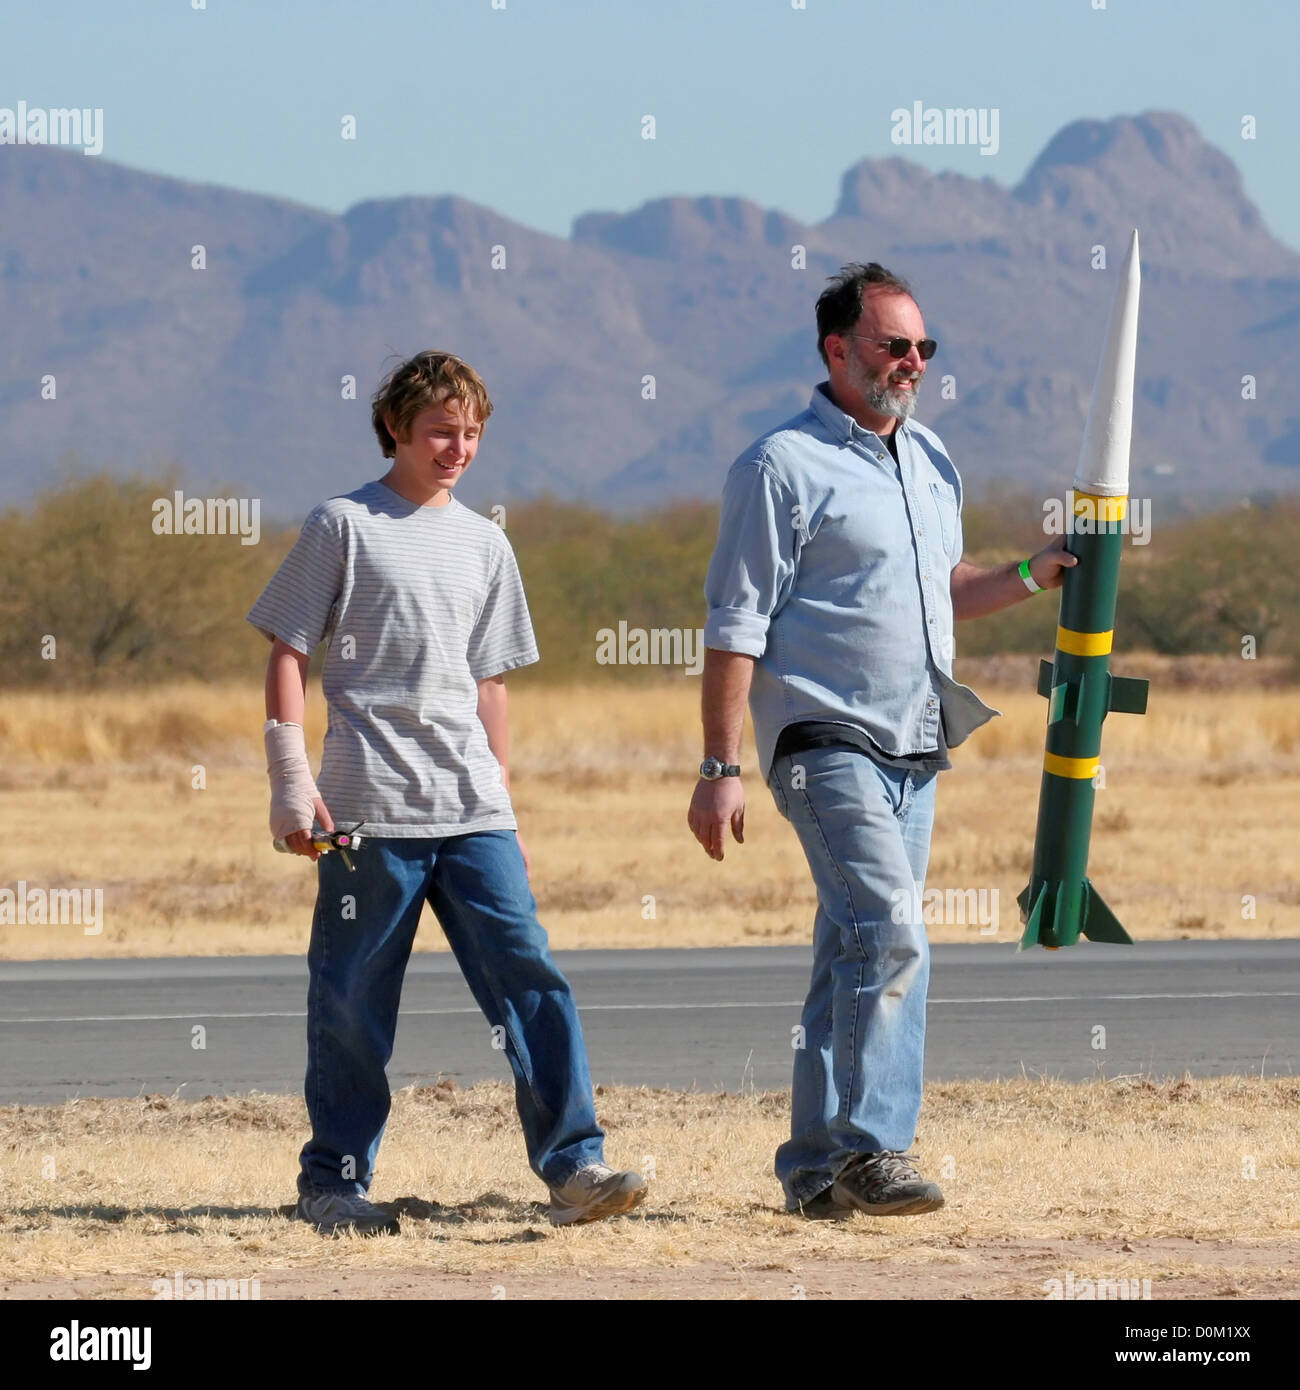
point(535, 107)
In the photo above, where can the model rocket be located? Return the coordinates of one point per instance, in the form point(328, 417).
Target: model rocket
point(1060, 901)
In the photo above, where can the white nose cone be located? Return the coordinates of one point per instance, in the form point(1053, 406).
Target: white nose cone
point(1103, 460)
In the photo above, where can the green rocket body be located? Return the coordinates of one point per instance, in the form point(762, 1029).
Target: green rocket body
point(1060, 902)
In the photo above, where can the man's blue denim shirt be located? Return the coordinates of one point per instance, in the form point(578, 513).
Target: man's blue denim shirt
point(833, 569)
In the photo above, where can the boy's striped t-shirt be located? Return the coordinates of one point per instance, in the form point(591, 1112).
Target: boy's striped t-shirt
point(416, 603)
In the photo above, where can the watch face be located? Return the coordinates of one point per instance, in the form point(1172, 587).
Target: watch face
point(711, 769)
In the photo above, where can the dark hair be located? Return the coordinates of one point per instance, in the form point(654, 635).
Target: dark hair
point(428, 378)
point(840, 305)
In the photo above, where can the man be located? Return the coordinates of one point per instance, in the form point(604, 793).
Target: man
point(832, 593)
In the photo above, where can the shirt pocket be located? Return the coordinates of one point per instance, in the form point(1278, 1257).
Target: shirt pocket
point(945, 502)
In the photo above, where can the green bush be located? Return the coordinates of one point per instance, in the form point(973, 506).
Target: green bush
point(83, 566)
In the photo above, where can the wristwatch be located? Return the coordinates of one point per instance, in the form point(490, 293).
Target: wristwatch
point(713, 768)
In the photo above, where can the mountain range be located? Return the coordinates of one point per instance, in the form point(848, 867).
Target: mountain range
point(234, 371)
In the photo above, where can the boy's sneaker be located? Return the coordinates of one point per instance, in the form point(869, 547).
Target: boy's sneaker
point(333, 1213)
point(886, 1184)
point(825, 1206)
point(595, 1192)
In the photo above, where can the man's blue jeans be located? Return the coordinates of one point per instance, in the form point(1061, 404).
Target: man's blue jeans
point(361, 940)
point(865, 829)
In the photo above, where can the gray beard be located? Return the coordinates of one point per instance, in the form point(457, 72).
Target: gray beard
point(885, 401)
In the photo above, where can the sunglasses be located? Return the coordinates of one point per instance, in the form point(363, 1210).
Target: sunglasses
point(900, 347)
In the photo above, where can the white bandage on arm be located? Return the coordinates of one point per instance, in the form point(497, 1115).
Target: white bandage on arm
point(293, 789)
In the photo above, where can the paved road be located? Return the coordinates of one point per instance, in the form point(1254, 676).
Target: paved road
point(716, 1019)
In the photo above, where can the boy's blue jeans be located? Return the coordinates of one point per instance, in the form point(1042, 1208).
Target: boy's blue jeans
point(865, 829)
point(361, 940)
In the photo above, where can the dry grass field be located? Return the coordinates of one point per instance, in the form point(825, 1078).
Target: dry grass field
point(159, 798)
point(1193, 1184)
point(1195, 835)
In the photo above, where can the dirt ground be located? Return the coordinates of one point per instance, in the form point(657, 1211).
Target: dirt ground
point(974, 1269)
point(1191, 1185)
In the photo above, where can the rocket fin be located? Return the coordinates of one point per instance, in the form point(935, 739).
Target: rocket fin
point(1100, 923)
point(1063, 702)
point(1065, 928)
point(1128, 695)
point(1045, 669)
point(1032, 917)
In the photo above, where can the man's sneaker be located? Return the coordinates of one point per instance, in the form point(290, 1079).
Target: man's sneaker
point(886, 1184)
point(595, 1192)
point(333, 1213)
point(823, 1207)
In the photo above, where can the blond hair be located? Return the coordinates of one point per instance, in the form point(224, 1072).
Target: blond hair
point(428, 378)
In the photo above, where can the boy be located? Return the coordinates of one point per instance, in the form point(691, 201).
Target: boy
point(420, 602)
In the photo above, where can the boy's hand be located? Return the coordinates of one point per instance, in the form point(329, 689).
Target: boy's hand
point(295, 799)
point(300, 841)
point(528, 858)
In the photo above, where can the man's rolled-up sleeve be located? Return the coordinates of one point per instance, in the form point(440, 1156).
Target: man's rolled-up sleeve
point(753, 567)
